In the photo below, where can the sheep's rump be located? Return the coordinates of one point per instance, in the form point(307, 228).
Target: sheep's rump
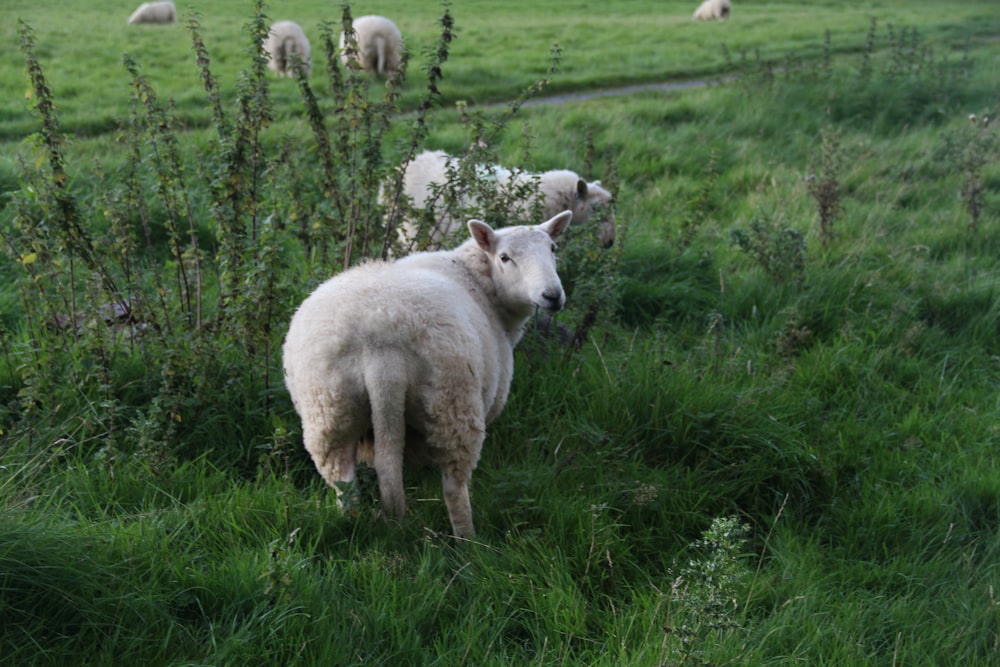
point(380, 45)
point(284, 40)
point(711, 10)
point(154, 12)
point(382, 323)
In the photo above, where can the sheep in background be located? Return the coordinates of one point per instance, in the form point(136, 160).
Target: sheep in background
point(284, 39)
point(416, 356)
point(379, 45)
point(712, 9)
point(560, 190)
point(154, 12)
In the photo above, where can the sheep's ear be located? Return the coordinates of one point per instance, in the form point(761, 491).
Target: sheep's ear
point(483, 234)
point(557, 225)
point(581, 189)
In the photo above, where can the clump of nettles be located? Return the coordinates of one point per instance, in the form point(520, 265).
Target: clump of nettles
point(698, 208)
point(967, 150)
point(280, 568)
point(122, 278)
point(824, 186)
point(705, 596)
point(778, 249)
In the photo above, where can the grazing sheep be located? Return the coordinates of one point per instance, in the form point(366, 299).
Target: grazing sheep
point(379, 45)
point(154, 12)
point(416, 356)
point(284, 39)
point(560, 190)
point(712, 9)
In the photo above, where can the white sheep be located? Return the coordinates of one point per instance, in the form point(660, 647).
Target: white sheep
point(285, 40)
point(379, 45)
point(711, 10)
point(416, 356)
point(154, 12)
point(430, 171)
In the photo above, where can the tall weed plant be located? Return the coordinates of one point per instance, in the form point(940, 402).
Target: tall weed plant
point(149, 303)
point(970, 150)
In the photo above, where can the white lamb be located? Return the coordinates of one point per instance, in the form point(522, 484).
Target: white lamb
point(154, 12)
point(711, 10)
point(285, 40)
point(379, 45)
point(416, 356)
point(560, 190)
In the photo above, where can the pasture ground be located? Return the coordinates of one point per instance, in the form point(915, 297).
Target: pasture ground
point(775, 445)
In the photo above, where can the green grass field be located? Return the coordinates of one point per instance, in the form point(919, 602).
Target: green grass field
point(775, 445)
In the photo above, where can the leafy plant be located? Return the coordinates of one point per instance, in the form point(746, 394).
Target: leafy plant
point(969, 150)
point(142, 289)
point(705, 596)
point(698, 207)
point(778, 249)
point(825, 187)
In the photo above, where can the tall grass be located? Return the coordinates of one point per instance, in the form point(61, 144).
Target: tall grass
point(775, 451)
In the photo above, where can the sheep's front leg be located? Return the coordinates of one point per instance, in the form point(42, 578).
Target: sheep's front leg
point(455, 480)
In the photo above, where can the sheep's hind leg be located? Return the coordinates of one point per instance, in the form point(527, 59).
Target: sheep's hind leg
point(457, 442)
point(455, 481)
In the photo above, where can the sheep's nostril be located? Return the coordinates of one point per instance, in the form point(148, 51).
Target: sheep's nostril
point(553, 299)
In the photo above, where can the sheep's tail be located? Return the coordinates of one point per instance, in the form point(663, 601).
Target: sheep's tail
point(380, 64)
point(289, 48)
point(385, 383)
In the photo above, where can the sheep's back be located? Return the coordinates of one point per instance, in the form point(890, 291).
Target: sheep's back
point(427, 168)
point(154, 12)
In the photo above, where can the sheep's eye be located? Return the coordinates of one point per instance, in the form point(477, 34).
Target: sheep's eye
point(504, 257)
point(553, 247)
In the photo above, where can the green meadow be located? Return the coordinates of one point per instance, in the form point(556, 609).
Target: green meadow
point(771, 441)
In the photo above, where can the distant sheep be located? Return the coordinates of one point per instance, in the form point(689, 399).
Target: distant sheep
point(415, 357)
point(285, 39)
point(711, 10)
point(560, 190)
point(154, 12)
point(379, 45)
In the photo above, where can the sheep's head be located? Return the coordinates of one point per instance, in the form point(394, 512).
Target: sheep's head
point(523, 264)
point(588, 200)
point(592, 200)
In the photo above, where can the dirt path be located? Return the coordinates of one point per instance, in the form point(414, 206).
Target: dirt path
point(625, 90)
